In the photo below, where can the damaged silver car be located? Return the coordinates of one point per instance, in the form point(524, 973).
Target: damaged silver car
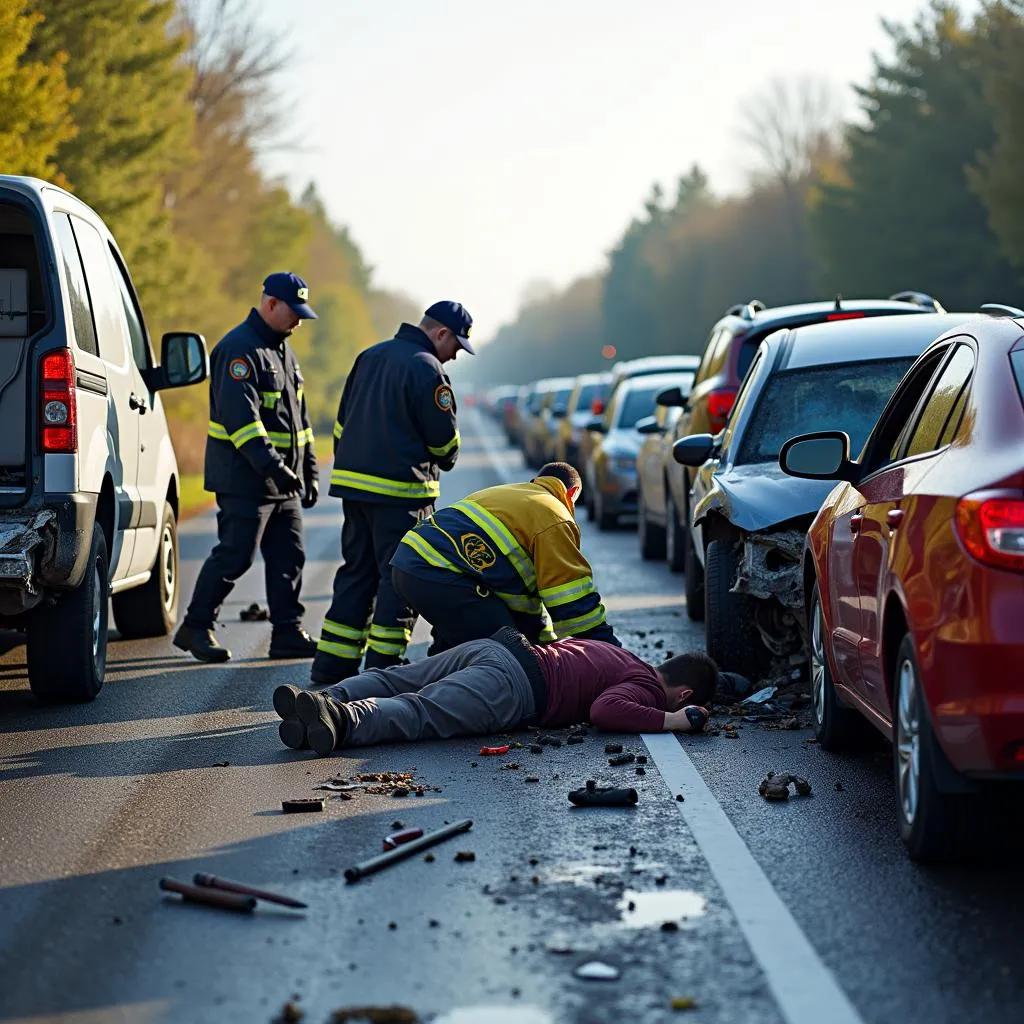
point(749, 519)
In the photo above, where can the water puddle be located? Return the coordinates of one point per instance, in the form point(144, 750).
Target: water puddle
point(578, 874)
point(496, 1015)
point(653, 909)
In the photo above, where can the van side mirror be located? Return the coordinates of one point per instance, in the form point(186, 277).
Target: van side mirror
point(183, 362)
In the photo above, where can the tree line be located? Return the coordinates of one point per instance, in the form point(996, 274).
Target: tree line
point(923, 192)
point(156, 113)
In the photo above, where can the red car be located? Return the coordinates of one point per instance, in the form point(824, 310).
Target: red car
point(914, 575)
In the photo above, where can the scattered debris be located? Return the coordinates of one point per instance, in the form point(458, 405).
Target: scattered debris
point(430, 858)
point(205, 880)
point(384, 860)
point(839, 787)
point(641, 770)
point(493, 751)
point(432, 923)
point(209, 897)
point(621, 759)
point(776, 787)
point(398, 824)
point(597, 970)
point(290, 1013)
point(302, 805)
point(613, 748)
point(531, 778)
point(375, 1015)
point(549, 741)
point(661, 880)
point(511, 766)
point(641, 759)
point(683, 1003)
point(575, 738)
point(761, 697)
point(790, 723)
point(536, 748)
point(392, 926)
point(464, 856)
point(337, 787)
point(221, 764)
point(560, 946)
point(603, 796)
point(669, 926)
point(254, 613)
point(680, 798)
point(399, 791)
point(396, 839)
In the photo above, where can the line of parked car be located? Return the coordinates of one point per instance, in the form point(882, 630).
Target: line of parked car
point(842, 485)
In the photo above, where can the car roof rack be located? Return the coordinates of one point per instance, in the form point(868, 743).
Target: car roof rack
point(746, 310)
point(919, 299)
point(998, 309)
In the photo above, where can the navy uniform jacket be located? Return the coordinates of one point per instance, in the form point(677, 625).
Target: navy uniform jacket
point(396, 428)
point(258, 414)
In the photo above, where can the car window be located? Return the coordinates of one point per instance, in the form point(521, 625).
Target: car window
point(944, 397)
point(136, 327)
point(742, 398)
point(709, 352)
point(842, 396)
point(1017, 362)
point(108, 312)
point(635, 404)
point(559, 398)
point(721, 352)
point(585, 397)
point(78, 290)
point(748, 349)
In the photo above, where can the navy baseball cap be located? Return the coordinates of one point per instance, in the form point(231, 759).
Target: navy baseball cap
point(455, 317)
point(291, 289)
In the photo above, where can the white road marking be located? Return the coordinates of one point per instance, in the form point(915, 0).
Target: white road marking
point(498, 455)
point(804, 988)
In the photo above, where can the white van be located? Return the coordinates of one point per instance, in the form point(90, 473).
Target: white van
point(88, 478)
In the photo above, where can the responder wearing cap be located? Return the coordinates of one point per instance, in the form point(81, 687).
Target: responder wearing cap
point(396, 431)
point(261, 464)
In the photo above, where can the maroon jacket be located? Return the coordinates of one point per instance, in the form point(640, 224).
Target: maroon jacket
point(590, 680)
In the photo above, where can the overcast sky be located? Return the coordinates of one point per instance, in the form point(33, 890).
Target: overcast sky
point(474, 146)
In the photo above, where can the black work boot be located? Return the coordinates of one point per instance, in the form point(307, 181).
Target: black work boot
point(324, 721)
point(292, 642)
point(201, 644)
point(328, 669)
point(291, 730)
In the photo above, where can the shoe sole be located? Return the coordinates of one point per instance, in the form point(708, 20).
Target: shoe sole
point(284, 701)
point(293, 734)
point(279, 655)
point(320, 734)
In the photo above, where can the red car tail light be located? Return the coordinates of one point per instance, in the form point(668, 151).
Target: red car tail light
point(720, 404)
point(58, 406)
point(992, 530)
point(844, 316)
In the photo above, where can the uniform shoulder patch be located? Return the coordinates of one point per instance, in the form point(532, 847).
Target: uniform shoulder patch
point(477, 552)
point(239, 369)
point(443, 398)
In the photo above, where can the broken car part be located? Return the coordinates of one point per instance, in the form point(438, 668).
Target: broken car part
point(385, 860)
point(209, 897)
point(396, 839)
point(213, 882)
point(493, 751)
point(603, 796)
point(776, 787)
point(302, 805)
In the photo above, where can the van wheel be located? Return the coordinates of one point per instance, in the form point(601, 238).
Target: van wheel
point(66, 642)
point(693, 585)
point(731, 638)
point(152, 609)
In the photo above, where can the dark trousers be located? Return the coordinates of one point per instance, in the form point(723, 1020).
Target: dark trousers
point(243, 525)
point(459, 609)
point(366, 612)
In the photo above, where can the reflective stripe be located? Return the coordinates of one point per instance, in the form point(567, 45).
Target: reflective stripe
point(340, 629)
point(521, 603)
point(306, 436)
point(346, 651)
point(299, 394)
point(426, 552)
point(390, 632)
point(582, 623)
point(500, 534)
point(567, 592)
point(379, 485)
point(338, 428)
point(270, 398)
point(446, 448)
point(240, 436)
point(546, 635)
point(383, 647)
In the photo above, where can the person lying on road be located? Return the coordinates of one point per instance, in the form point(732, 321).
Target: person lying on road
point(491, 686)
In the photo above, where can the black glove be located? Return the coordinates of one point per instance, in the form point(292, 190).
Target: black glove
point(312, 494)
point(284, 479)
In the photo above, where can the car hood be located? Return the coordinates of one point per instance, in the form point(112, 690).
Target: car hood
point(622, 442)
point(761, 495)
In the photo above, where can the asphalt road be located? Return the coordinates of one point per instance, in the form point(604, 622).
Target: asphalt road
point(794, 912)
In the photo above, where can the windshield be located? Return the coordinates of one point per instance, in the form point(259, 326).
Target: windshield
point(588, 392)
point(636, 405)
point(559, 398)
point(848, 397)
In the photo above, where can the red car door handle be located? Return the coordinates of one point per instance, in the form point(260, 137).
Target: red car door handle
point(894, 517)
point(855, 522)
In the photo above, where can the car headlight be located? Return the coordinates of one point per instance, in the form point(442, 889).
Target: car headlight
point(624, 463)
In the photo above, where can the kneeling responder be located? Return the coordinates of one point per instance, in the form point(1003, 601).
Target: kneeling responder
point(259, 460)
point(396, 430)
point(504, 556)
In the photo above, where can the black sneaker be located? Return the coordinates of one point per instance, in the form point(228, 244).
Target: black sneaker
point(201, 644)
point(323, 721)
point(291, 730)
point(292, 642)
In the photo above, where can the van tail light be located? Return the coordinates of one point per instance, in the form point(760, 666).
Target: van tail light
point(58, 406)
point(720, 404)
point(992, 530)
